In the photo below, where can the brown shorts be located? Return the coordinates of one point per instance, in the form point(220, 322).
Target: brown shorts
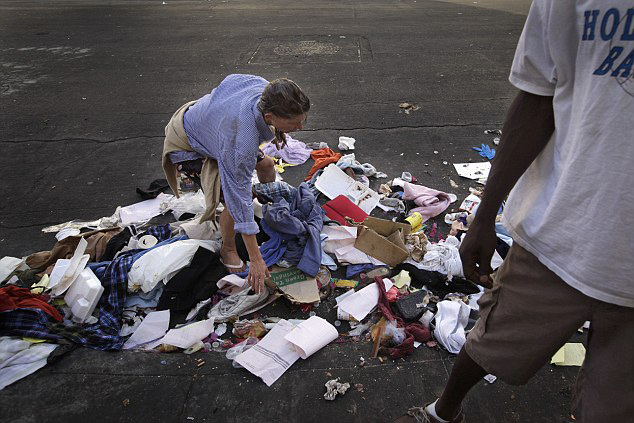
point(530, 313)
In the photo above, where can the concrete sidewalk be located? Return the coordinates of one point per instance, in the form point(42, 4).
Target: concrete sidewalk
point(85, 91)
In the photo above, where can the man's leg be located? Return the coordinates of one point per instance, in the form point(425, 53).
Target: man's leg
point(605, 389)
point(464, 376)
point(229, 252)
point(265, 169)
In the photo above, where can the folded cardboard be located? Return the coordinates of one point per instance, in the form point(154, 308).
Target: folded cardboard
point(383, 239)
point(294, 284)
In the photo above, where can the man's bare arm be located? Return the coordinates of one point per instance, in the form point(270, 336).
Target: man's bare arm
point(528, 127)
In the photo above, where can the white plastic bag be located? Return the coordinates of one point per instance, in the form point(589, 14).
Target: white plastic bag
point(451, 320)
point(238, 349)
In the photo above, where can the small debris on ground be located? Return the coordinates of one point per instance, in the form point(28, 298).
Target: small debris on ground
point(334, 388)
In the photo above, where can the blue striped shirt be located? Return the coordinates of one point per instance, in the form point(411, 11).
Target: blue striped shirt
point(227, 126)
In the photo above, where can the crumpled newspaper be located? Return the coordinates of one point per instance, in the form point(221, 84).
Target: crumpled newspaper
point(333, 388)
point(418, 243)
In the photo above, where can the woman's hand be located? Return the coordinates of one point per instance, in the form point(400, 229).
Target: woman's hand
point(257, 273)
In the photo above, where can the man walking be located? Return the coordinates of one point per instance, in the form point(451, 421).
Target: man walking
point(566, 157)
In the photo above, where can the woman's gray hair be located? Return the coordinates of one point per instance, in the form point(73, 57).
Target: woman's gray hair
point(284, 99)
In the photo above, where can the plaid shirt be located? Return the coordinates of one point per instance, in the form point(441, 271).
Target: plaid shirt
point(103, 335)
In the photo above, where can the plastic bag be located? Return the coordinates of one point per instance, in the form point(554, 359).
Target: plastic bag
point(393, 334)
point(189, 202)
point(238, 349)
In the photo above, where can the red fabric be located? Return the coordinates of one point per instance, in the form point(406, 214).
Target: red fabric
point(413, 331)
point(322, 157)
point(392, 294)
point(420, 332)
point(341, 207)
point(12, 297)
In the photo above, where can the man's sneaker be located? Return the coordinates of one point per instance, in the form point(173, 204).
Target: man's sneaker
point(420, 415)
point(239, 304)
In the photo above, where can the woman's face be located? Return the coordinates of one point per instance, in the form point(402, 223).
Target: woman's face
point(292, 124)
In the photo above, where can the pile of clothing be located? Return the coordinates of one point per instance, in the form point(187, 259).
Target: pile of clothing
point(122, 282)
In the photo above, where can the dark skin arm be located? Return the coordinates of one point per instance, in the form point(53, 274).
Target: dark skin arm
point(527, 129)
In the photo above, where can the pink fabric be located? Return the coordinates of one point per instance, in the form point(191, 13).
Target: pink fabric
point(430, 202)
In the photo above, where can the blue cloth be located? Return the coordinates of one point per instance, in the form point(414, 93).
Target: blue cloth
point(299, 224)
point(184, 156)
point(227, 126)
point(103, 335)
point(145, 299)
point(271, 250)
point(326, 260)
point(30, 323)
point(271, 191)
point(355, 269)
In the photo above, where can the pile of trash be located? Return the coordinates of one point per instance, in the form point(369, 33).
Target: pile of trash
point(125, 283)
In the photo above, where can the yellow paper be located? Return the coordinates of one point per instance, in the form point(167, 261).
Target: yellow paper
point(34, 340)
point(402, 279)
point(571, 354)
point(40, 287)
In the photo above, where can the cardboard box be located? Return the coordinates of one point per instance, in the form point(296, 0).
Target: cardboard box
point(294, 285)
point(383, 239)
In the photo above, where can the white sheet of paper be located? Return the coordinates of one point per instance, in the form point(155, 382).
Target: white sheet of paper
point(152, 327)
point(187, 336)
point(344, 296)
point(363, 301)
point(312, 335)
point(350, 254)
point(338, 236)
point(475, 171)
point(142, 211)
point(232, 279)
point(272, 356)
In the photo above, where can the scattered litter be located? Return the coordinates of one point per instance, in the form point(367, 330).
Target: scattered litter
point(571, 354)
point(284, 345)
point(334, 388)
point(451, 321)
point(408, 107)
point(334, 182)
point(167, 295)
point(485, 151)
point(470, 204)
point(346, 143)
point(475, 171)
point(490, 378)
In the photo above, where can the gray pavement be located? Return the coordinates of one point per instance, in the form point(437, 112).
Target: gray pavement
point(85, 91)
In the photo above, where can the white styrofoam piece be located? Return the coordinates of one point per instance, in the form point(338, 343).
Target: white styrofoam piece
point(83, 295)
point(335, 182)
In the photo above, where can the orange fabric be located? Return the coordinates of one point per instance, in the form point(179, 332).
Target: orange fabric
point(322, 157)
